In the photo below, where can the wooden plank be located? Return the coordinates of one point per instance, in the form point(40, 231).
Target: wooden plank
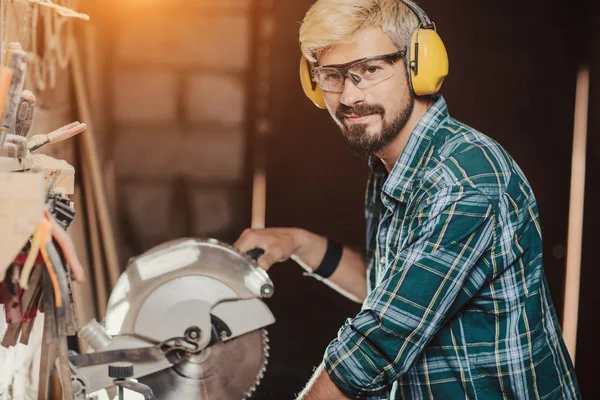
point(58, 171)
point(576, 203)
point(98, 270)
point(21, 206)
point(84, 302)
point(91, 165)
point(9, 164)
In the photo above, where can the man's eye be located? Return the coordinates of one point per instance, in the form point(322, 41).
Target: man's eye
point(370, 70)
point(331, 77)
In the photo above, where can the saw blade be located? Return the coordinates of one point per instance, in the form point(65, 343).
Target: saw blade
point(229, 370)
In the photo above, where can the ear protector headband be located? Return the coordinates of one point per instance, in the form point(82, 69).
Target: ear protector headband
point(427, 63)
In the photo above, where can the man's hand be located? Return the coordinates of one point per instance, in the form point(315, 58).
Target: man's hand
point(280, 243)
point(321, 387)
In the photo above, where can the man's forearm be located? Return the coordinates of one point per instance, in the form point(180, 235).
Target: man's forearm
point(350, 277)
point(321, 387)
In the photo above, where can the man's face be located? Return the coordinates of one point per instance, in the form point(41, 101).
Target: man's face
point(369, 118)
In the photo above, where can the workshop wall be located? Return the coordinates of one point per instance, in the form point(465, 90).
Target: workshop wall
point(176, 84)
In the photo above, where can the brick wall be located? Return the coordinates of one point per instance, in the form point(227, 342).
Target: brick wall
point(177, 99)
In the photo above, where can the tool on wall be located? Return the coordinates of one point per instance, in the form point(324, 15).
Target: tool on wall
point(16, 60)
point(37, 258)
point(38, 261)
point(25, 112)
point(39, 278)
point(62, 133)
point(5, 82)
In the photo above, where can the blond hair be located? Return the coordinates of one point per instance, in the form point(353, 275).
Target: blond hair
point(330, 22)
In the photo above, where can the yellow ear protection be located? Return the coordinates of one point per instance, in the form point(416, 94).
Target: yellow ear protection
point(427, 63)
point(310, 87)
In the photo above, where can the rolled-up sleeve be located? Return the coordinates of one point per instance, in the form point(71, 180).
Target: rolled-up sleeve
point(437, 270)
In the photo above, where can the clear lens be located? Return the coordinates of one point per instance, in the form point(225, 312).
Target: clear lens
point(329, 79)
point(364, 75)
point(372, 72)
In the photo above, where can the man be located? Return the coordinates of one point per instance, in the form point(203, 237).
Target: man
point(455, 304)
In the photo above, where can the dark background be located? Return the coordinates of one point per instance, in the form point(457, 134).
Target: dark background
point(513, 70)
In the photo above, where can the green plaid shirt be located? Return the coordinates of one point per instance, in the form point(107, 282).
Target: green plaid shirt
point(459, 306)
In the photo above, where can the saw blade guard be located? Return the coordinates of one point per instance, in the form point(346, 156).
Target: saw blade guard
point(189, 283)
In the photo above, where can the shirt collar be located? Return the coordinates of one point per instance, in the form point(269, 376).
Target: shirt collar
point(399, 183)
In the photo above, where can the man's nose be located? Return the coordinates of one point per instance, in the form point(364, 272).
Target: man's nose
point(351, 94)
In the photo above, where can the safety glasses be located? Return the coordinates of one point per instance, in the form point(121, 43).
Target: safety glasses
point(364, 73)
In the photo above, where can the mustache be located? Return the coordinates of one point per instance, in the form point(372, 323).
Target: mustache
point(358, 110)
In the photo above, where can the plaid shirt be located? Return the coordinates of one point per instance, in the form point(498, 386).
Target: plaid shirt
point(458, 304)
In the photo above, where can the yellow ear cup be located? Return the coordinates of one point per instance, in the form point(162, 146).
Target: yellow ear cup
point(310, 87)
point(428, 62)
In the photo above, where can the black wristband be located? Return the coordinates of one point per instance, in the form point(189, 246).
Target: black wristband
point(331, 260)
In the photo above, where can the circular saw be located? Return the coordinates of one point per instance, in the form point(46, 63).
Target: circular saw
point(188, 315)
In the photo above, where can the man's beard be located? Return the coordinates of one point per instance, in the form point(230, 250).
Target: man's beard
point(367, 143)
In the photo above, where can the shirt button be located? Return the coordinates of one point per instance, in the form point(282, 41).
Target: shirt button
point(381, 261)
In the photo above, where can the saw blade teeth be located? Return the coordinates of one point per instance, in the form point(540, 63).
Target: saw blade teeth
point(261, 373)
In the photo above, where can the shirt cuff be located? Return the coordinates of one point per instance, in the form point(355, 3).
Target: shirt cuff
point(355, 366)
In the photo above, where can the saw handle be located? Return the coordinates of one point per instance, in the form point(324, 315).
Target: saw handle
point(266, 290)
point(255, 253)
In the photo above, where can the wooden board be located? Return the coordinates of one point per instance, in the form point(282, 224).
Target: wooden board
point(84, 300)
point(21, 206)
